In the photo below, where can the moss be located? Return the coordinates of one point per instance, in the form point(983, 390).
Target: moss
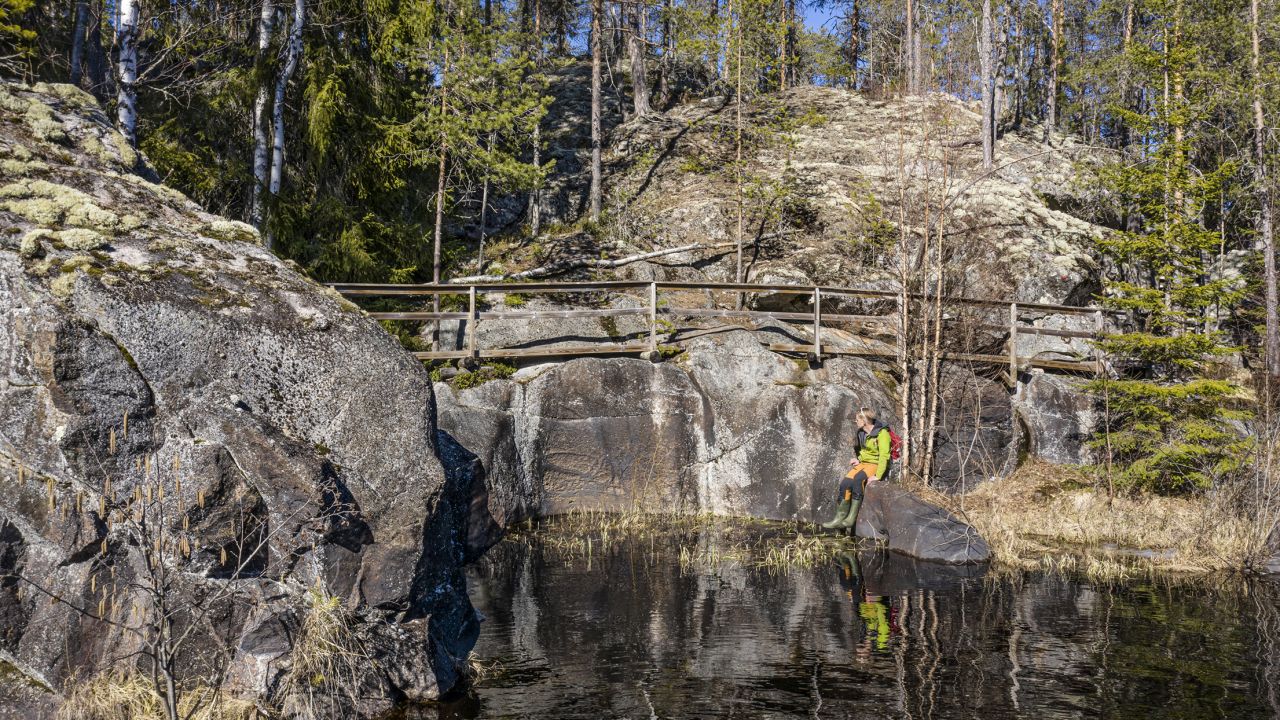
point(610, 327)
point(514, 300)
point(342, 302)
point(10, 103)
point(81, 239)
point(30, 246)
point(43, 124)
point(63, 285)
point(232, 231)
point(494, 371)
point(18, 168)
point(74, 96)
point(46, 203)
point(669, 351)
point(77, 262)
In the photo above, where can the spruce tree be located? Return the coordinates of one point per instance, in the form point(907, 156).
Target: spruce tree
point(1170, 420)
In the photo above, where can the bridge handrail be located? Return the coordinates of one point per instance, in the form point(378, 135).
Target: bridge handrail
point(473, 315)
point(428, 289)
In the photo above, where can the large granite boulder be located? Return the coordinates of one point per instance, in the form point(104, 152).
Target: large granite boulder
point(180, 410)
point(728, 428)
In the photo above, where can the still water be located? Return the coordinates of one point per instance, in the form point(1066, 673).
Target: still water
point(632, 632)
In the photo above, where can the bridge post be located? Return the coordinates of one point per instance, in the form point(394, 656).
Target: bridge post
point(1013, 344)
point(653, 318)
point(817, 325)
point(473, 324)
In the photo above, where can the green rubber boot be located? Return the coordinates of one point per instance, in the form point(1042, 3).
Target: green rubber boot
point(850, 519)
point(841, 511)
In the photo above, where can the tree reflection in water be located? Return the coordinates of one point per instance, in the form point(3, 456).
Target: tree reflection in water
point(633, 633)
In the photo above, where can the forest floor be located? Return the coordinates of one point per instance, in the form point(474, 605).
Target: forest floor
point(1058, 518)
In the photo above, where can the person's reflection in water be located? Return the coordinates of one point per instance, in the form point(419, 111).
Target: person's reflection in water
point(875, 611)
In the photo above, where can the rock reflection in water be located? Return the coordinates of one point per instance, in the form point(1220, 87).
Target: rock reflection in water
point(633, 634)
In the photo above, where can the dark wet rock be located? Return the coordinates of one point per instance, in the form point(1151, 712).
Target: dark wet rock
point(978, 438)
point(303, 436)
point(891, 573)
point(907, 524)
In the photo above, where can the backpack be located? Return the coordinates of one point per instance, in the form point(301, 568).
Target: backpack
point(895, 444)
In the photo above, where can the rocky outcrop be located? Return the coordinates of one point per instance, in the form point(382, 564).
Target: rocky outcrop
point(728, 427)
point(183, 416)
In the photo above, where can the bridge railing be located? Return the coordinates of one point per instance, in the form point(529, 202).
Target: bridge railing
point(653, 310)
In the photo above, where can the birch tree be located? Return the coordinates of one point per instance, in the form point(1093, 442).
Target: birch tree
point(261, 122)
point(986, 62)
point(293, 54)
point(127, 72)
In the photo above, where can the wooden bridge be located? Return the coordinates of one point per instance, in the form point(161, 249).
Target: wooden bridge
point(657, 309)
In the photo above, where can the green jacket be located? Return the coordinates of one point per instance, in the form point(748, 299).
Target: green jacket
point(873, 447)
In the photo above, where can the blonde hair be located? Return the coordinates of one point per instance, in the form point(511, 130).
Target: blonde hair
point(866, 414)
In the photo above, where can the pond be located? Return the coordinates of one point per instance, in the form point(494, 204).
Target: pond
point(648, 629)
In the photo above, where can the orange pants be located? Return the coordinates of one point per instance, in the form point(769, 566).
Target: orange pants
point(855, 482)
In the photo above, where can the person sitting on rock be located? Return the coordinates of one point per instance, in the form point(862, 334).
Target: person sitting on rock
point(871, 463)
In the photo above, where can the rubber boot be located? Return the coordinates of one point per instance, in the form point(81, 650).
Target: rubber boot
point(850, 519)
point(841, 511)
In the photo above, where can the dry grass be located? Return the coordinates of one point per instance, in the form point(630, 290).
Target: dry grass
point(131, 696)
point(1053, 518)
point(702, 541)
point(326, 660)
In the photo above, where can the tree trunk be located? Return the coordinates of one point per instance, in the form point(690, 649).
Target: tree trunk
point(1125, 89)
point(911, 59)
point(441, 184)
point(293, 53)
point(97, 60)
point(988, 83)
point(535, 195)
point(855, 43)
point(1266, 231)
point(127, 72)
point(1055, 45)
point(636, 49)
point(668, 56)
point(77, 40)
point(597, 8)
point(261, 123)
point(737, 124)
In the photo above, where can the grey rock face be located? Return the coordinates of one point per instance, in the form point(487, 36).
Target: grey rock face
point(729, 427)
point(294, 440)
point(1059, 417)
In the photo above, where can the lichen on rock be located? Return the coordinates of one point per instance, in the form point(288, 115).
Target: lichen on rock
point(48, 203)
point(231, 231)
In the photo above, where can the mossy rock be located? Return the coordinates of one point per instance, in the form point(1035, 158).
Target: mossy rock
point(82, 239)
point(64, 285)
point(231, 231)
point(46, 203)
point(30, 247)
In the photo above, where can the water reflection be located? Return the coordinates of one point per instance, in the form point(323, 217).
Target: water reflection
point(634, 634)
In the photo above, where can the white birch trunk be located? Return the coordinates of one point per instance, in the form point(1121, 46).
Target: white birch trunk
point(293, 54)
point(127, 71)
point(261, 123)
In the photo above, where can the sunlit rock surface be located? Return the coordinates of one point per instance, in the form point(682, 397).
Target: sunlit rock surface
point(293, 438)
